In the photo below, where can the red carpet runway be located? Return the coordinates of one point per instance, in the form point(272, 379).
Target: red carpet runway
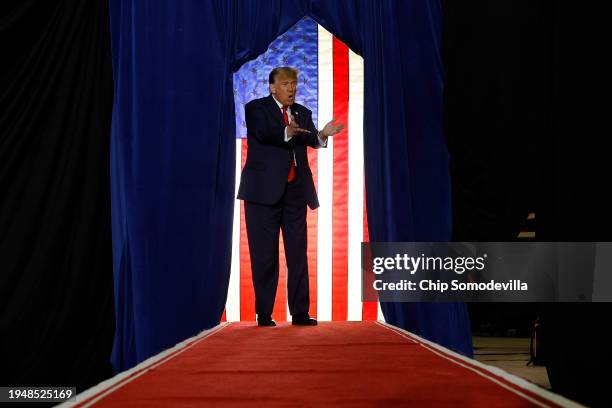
point(333, 364)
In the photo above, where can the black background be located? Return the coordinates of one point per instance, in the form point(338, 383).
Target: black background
point(56, 299)
point(526, 130)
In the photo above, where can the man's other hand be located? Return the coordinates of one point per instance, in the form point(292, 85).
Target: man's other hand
point(293, 128)
point(331, 129)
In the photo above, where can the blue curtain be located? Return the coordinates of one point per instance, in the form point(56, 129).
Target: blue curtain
point(406, 160)
point(173, 152)
point(172, 160)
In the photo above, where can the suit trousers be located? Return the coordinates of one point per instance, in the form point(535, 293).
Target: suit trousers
point(263, 223)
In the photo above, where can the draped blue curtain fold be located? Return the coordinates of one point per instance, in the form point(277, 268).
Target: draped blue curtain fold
point(172, 159)
point(173, 152)
point(258, 23)
point(406, 160)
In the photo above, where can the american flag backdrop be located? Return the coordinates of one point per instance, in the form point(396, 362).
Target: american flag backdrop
point(330, 84)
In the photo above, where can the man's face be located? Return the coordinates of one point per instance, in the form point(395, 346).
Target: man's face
point(284, 89)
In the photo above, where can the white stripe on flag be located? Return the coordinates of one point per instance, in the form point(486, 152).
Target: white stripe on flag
point(355, 185)
point(325, 179)
point(232, 306)
point(381, 316)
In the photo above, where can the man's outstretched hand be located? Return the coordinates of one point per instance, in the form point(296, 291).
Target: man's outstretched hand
point(330, 129)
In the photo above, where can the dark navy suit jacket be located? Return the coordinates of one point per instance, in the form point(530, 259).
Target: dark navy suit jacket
point(264, 176)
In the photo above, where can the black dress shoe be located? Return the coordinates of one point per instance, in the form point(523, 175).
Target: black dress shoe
point(303, 320)
point(265, 321)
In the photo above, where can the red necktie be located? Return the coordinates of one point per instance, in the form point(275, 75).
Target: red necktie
point(291, 174)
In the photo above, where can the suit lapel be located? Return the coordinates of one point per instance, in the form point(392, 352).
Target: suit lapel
point(274, 108)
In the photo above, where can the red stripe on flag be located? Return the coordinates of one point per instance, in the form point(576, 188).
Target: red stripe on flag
point(369, 309)
point(280, 302)
point(247, 294)
point(340, 185)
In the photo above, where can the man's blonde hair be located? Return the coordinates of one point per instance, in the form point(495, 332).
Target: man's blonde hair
point(288, 72)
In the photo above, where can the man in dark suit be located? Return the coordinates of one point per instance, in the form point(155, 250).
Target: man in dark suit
point(276, 185)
